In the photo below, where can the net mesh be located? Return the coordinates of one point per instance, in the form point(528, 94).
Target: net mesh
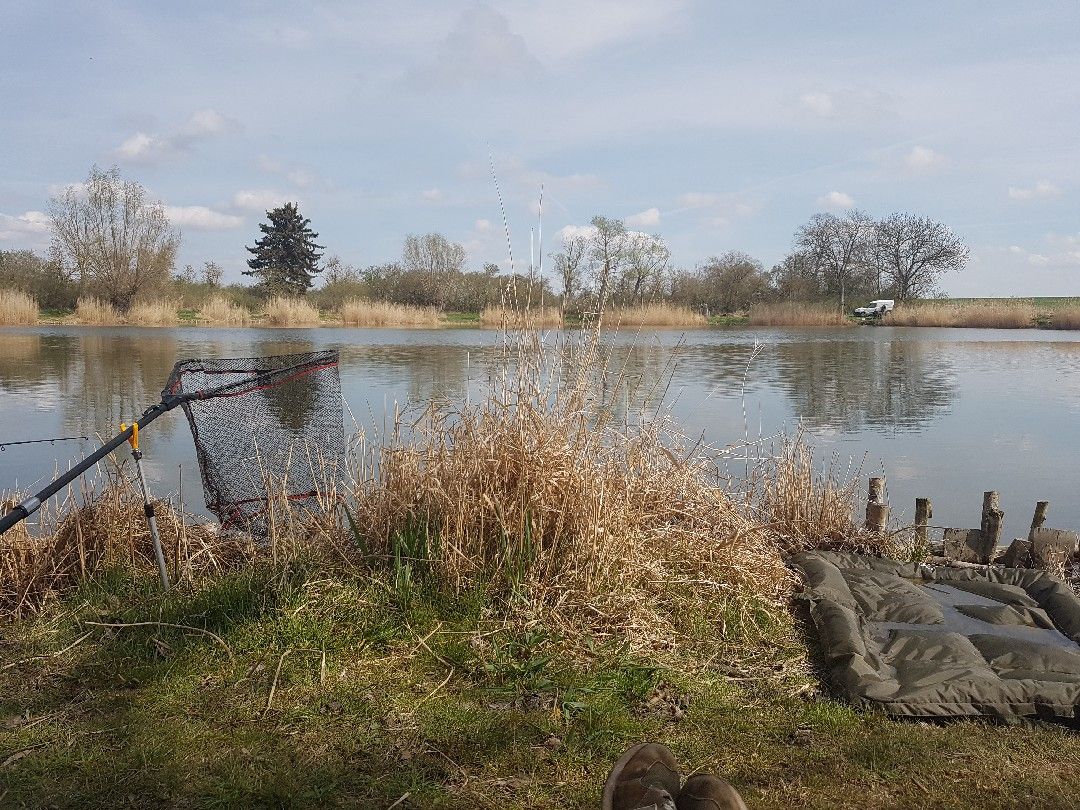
point(266, 430)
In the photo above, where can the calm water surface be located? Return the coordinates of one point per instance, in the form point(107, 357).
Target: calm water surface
point(946, 413)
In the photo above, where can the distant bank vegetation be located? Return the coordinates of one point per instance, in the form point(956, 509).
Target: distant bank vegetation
point(601, 272)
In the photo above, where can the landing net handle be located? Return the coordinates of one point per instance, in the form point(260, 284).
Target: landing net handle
point(33, 503)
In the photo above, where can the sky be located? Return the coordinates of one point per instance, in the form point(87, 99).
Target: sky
point(720, 126)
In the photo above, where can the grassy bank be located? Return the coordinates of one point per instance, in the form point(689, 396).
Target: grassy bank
point(989, 313)
point(796, 314)
point(507, 593)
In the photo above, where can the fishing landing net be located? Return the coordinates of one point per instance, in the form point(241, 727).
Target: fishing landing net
point(266, 429)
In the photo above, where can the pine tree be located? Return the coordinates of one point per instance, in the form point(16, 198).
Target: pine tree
point(286, 257)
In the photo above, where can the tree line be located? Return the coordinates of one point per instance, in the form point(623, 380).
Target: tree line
point(111, 241)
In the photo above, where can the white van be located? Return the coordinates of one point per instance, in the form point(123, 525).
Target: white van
point(875, 309)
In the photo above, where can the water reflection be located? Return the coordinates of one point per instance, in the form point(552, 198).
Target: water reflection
point(899, 385)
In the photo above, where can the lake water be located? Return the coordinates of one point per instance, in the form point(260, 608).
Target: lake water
point(945, 413)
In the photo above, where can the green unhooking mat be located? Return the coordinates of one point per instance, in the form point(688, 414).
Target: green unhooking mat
point(928, 641)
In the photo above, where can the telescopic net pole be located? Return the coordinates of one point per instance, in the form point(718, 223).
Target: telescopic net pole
point(34, 502)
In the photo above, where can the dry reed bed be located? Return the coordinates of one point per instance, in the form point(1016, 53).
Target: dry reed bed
point(977, 314)
point(17, 309)
point(506, 317)
point(796, 314)
point(1065, 317)
point(95, 312)
point(161, 312)
point(657, 314)
point(281, 311)
point(220, 311)
point(362, 312)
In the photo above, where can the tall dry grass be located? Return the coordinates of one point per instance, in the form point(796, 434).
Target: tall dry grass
point(161, 312)
point(1065, 318)
point(658, 313)
point(102, 528)
point(363, 312)
point(17, 309)
point(220, 311)
point(95, 312)
point(281, 311)
point(796, 314)
point(605, 525)
point(507, 317)
point(1017, 314)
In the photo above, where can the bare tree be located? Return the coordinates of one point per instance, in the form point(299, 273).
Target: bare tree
point(568, 264)
point(914, 251)
point(648, 262)
point(113, 240)
point(212, 274)
point(433, 254)
point(839, 247)
point(608, 249)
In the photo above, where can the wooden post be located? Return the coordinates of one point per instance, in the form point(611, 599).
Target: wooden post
point(991, 525)
point(1039, 518)
point(924, 511)
point(877, 513)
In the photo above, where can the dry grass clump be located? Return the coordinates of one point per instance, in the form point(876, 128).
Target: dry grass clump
point(105, 528)
point(811, 509)
point(95, 312)
point(507, 317)
point(161, 312)
point(223, 312)
point(363, 312)
point(796, 314)
point(611, 526)
point(17, 309)
point(657, 313)
point(281, 311)
point(1065, 318)
point(1019, 314)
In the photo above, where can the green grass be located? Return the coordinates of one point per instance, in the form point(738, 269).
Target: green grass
point(462, 318)
point(729, 320)
point(435, 696)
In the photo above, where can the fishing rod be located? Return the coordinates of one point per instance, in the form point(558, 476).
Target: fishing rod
point(5, 445)
point(169, 400)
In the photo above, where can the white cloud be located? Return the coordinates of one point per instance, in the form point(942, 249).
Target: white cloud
point(1043, 189)
point(836, 201)
point(648, 218)
point(29, 229)
point(576, 232)
point(484, 226)
point(846, 104)
point(923, 159)
point(201, 218)
point(143, 147)
point(259, 200)
point(480, 50)
point(432, 195)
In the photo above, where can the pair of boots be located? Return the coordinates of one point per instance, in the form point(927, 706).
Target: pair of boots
point(647, 777)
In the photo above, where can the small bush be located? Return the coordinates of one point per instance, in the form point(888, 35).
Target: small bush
point(17, 309)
